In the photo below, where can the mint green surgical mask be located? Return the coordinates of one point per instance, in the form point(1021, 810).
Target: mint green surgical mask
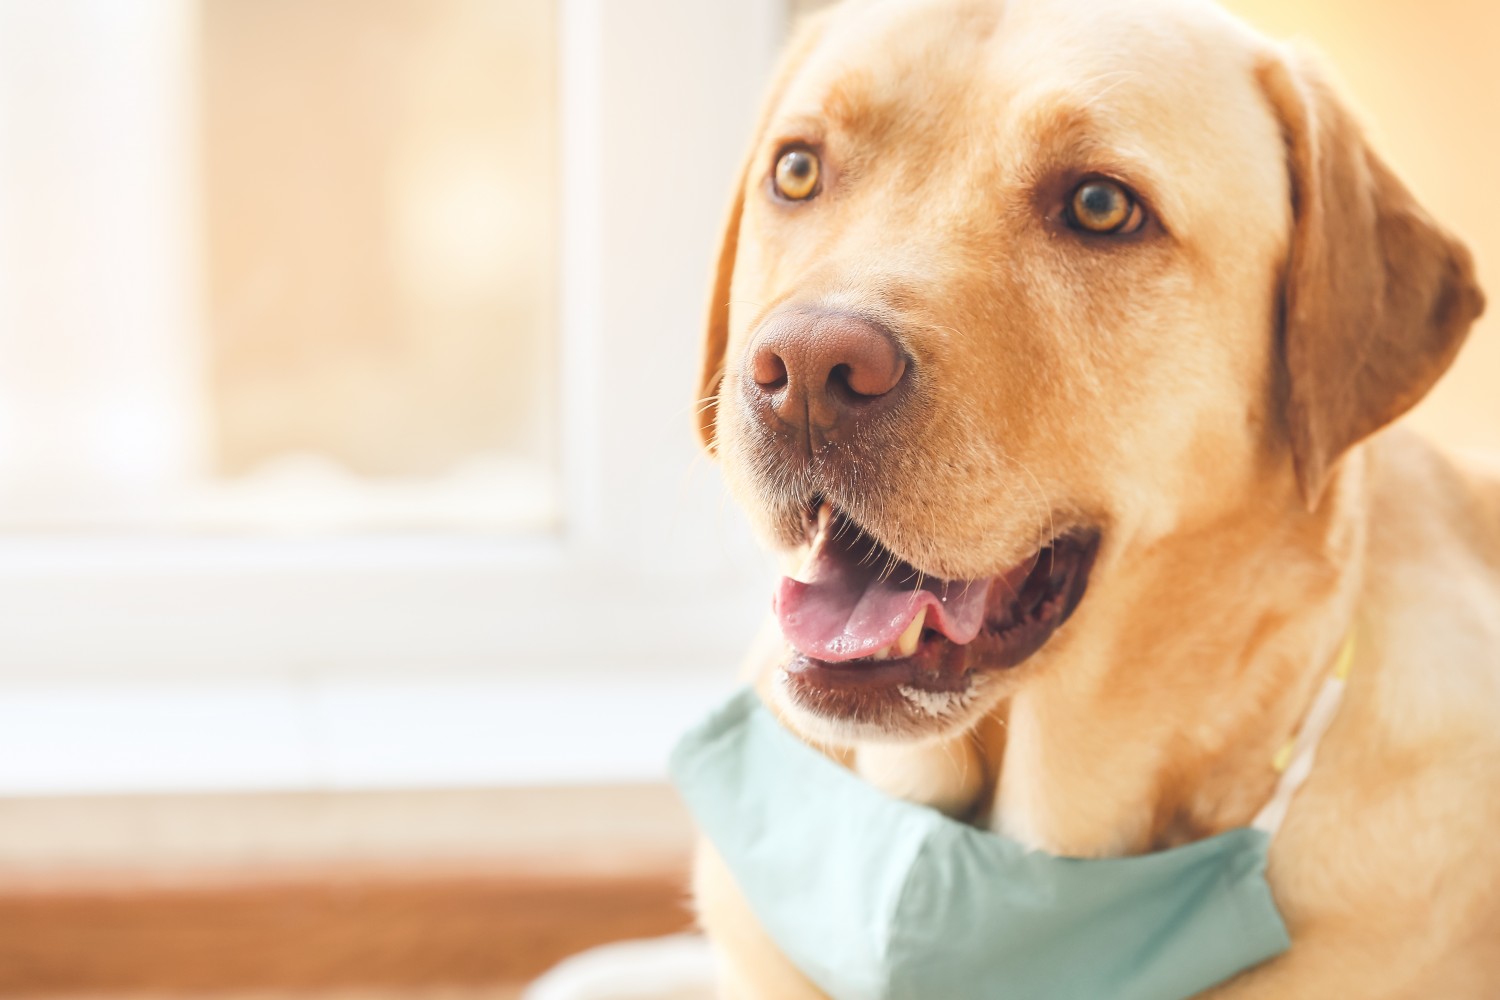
point(873, 898)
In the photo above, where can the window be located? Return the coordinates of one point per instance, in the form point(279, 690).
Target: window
point(317, 248)
point(345, 403)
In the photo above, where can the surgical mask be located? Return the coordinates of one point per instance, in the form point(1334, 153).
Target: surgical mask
point(874, 898)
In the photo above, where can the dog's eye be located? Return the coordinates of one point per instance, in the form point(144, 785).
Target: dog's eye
point(1103, 206)
point(797, 174)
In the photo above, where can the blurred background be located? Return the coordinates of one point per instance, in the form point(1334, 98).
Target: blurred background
point(357, 563)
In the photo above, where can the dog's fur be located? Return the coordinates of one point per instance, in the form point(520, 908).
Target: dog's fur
point(1205, 393)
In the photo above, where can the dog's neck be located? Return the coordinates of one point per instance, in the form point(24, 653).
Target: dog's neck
point(1164, 723)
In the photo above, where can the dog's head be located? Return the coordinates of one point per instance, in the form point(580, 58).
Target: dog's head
point(1011, 293)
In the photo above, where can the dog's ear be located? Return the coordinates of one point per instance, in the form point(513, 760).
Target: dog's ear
point(716, 335)
point(1378, 297)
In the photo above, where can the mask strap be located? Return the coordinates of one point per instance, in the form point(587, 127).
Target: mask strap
point(1295, 760)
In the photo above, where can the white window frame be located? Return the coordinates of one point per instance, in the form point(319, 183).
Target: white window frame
point(168, 663)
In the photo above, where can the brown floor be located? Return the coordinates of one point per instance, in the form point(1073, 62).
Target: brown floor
point(440, 894)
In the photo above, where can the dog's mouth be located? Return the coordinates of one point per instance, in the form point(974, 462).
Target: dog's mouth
point(872, 634)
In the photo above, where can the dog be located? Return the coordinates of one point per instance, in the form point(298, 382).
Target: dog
point(1103, 310)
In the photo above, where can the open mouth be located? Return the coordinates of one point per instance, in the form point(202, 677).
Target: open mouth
point(864, 623)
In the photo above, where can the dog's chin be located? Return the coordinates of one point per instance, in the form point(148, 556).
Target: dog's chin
point(915, 717)
point(896, 657)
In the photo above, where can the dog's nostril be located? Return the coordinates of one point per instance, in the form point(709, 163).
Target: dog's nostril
point(872, 365)
point(866, 382)
point(769, 370)
point(840, 384)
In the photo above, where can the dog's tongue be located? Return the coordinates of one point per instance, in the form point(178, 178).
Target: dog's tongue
point(850, 602)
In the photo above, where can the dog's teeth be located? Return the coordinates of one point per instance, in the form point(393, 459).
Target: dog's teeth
point(884, 653)
point(907, 644)
point(804, 574)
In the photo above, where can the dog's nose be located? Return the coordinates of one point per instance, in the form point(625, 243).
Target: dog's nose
point(823, 372)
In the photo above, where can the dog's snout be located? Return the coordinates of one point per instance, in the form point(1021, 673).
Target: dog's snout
point(821, 373)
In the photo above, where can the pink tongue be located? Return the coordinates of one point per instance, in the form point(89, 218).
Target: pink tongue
point(854, 605)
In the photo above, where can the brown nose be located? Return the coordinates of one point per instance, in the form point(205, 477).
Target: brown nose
point(820, 373)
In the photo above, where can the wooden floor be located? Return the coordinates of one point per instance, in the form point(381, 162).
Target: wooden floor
point(441, 895)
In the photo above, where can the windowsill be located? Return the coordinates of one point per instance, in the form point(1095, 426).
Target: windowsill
point(343, 734)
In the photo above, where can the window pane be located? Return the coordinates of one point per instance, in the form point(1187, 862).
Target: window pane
point(379, 206)
point(278, 263)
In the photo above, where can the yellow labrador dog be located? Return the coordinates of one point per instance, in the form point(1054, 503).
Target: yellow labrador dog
point(1100, 308)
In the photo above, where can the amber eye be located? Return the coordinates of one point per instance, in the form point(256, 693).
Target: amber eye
point(797, 174)
point(1102, 206)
